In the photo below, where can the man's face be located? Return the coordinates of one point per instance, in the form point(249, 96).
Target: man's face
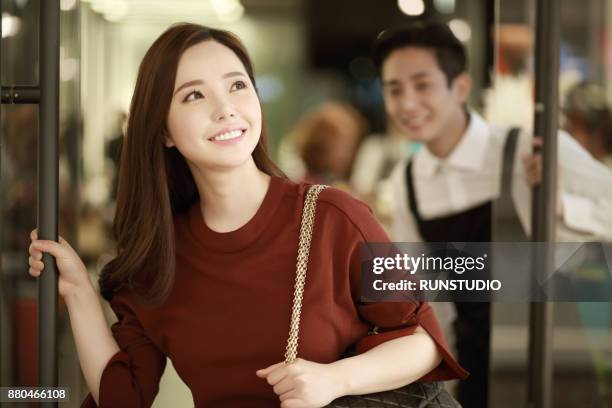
point(418, 99)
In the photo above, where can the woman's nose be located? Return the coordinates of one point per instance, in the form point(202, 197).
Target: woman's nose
point(224, 109)
point(224, 114)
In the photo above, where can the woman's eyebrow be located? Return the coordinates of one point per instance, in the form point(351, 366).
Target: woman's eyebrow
point(187, 84)
point(233, 74)
point(200, 82)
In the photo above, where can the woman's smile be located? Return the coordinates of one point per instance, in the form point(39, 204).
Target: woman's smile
point(228, 137)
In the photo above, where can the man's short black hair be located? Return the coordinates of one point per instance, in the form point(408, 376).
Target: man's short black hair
point(449, 51)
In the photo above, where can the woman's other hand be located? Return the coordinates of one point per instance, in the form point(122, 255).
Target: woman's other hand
point(73, 275)
point(303, 384)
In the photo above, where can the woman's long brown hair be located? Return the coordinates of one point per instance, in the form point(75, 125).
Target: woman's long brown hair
point(155, 183)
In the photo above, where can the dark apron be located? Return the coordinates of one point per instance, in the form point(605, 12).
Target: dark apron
point(473, 324)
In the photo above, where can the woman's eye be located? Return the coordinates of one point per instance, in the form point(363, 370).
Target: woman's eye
point(192, 96)
point(238, 85)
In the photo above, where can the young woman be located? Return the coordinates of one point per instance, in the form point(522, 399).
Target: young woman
point(207, 230)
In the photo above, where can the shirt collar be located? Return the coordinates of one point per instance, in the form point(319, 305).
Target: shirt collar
point(469, 154)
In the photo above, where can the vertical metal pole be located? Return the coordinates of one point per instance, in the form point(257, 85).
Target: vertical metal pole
point(544, 202)
point(3, 357)
point(48, 178)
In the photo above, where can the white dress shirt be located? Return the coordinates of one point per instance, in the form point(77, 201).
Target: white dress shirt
point(471, 176)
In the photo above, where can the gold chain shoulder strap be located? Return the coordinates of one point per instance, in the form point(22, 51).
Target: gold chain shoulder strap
point(308, 215)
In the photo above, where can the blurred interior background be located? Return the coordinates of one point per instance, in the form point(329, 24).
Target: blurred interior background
point(324, 110)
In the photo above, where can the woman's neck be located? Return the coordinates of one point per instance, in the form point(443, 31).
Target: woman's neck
point(229, 199)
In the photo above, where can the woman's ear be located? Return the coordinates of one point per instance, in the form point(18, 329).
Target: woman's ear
point(462, 85)
point(167, 139)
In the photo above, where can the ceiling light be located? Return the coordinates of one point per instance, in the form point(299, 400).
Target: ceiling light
point(461, 29)
point(411, 7)
point(10, 25)
point(227, 11)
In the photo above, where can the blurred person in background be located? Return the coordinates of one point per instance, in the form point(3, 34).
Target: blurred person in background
point(375, 159)
point(207, 229)
point(446, 191)
point(326, 140)
point(589, 120)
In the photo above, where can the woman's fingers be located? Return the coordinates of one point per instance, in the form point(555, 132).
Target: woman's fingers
point(62, 241)
point(36, 266)
point(34, 261)
point(67, 246)
point(34, 253)
point(51, 247)
point(72, 273)
point(37, 247)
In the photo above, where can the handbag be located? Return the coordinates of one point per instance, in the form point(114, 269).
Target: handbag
point(421, 395)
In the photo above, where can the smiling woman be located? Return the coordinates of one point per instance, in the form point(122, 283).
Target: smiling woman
point(207, 233)
point(214, 119)
point(188, 75)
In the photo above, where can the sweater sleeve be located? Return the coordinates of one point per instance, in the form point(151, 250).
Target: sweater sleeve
point(394, 319)
point(131, 377)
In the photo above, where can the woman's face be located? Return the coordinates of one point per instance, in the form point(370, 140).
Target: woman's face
point(215, 115)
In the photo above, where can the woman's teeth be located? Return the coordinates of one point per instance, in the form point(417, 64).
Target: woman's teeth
point(228, 135)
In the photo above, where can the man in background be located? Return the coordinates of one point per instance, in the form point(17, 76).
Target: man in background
point(445, 192)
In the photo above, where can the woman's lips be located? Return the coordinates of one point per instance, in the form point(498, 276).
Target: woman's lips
point(229, 141)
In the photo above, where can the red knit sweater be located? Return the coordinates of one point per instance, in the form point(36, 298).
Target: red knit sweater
point(229, 310)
